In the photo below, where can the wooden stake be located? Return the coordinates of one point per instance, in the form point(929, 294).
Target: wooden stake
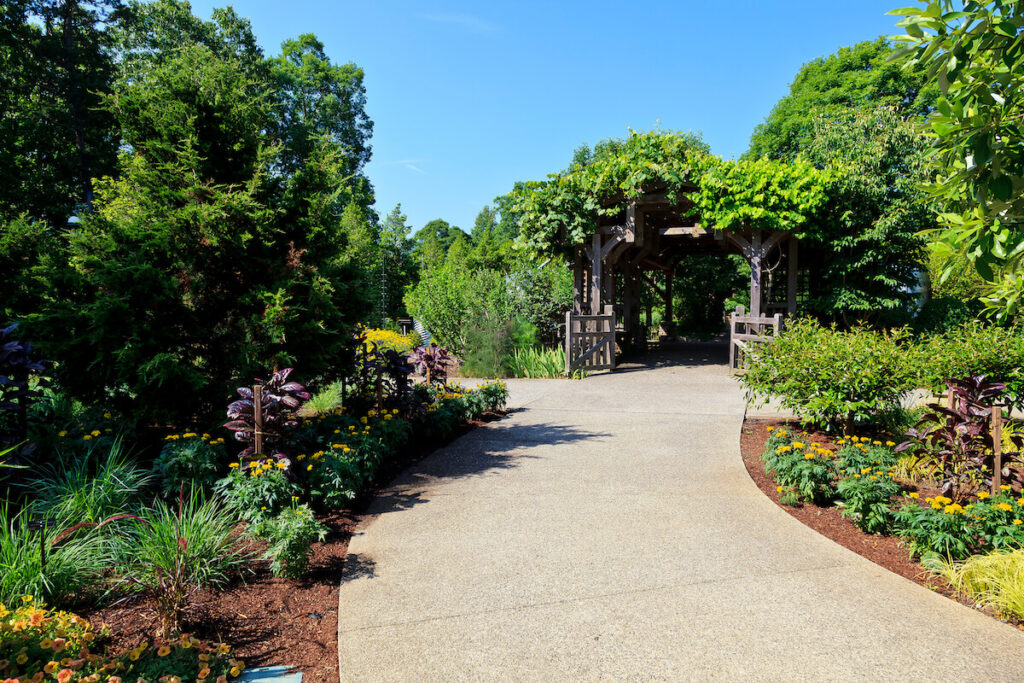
point(997, 448)
point(257, 413)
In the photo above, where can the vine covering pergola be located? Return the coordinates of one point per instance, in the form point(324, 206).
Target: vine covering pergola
point(643, 204)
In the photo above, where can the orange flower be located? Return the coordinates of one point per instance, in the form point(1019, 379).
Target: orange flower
point(204, 672)
point(64, 676)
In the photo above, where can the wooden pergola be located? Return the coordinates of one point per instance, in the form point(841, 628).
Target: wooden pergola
point(651, 235)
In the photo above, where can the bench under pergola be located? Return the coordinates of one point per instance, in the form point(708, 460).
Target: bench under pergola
point(651, 235)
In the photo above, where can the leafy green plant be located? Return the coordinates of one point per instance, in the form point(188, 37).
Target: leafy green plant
point(179, 658)
point(866, 499)
point(258, 490)
point(974, 349)
point(290, 535)
point(32, 562)
point(993, 579)
point(489, 344)
point(173, 552)
point(954, 531)
point(805, 472)
point(831, 378)
point(103, 483)
point(194, 462)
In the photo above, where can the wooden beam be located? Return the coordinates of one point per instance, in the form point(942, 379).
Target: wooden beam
point(684, 230)
point(577, 282)
point(595, 275)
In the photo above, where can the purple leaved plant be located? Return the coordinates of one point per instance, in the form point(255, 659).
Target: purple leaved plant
point(279, 403)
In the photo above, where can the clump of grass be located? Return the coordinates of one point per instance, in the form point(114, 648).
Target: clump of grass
point(913, 469)
point(90, 488)
point(994, 579)
point(537, 363)
point(324, 402)
point(71, 568)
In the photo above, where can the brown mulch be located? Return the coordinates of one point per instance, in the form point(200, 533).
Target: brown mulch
point(885, 551)
point(270, 621)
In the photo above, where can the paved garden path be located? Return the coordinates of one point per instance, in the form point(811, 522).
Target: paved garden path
point(607, 530)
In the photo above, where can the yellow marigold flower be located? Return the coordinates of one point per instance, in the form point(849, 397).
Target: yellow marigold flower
point(1020, 501)
point(953, 509)
point(856, 476)
point(62, 433)
point(50, 667)
point(770, 428)
point(309, 467)
point(26, 598)
point(363, 420)
point(233, 465)
point(1017, 522)
point(809, 456)
point(876, 443)
point(298, 512)
point(873, 477)
point(1005, 487)
point(263, 508)
point(235, 671)
point(95, 432)
point(982, 495)
point(163, 651)
point(188, 435)
point(890, 443)
point(281, 466)
point(22, 658)
point(936, 505)
point(798, 444)
point(779, 489)
point(337, 431)
point(1005, 507)
point(86, 437)
point(914, 495)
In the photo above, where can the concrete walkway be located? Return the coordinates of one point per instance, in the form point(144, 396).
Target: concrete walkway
point(607, 530)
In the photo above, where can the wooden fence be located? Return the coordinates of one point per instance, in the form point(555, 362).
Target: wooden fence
point(590, 341)
point(747, 330)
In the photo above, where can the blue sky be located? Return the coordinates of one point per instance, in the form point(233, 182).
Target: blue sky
point(466, 98)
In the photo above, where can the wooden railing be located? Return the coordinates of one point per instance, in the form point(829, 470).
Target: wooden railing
point(590, 341)
point(747, 330)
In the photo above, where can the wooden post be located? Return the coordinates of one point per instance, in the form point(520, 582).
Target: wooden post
point(791, 276)
point(257, 414)
point(577, 282)
point(755, 273)
point(595, 276)
point(668, 322)
point(568, 342)
point(997, 448)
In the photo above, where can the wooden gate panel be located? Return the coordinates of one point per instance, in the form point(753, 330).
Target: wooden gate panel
point(590, 341)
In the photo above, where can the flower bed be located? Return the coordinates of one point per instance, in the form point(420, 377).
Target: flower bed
point(862, 509)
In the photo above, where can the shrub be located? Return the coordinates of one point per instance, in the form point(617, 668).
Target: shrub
point(945, 314)
point(256, 489)
point(333, 477)
point(974, 349)
point(90, 488)
point(856, 453)
point(186, 658)
point(290, 535)
point(324, 402)
point(191, 461)
point(172, 553)
point(993, 579)
point(831, 378)
point(72, 568)
point(387, 340)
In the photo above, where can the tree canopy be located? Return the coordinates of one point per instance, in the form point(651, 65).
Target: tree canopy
point(856, 76)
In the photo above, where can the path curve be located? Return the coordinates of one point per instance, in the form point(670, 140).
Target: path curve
point(607, 530)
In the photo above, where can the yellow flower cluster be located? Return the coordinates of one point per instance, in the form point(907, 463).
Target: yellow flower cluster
point(193, 435)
